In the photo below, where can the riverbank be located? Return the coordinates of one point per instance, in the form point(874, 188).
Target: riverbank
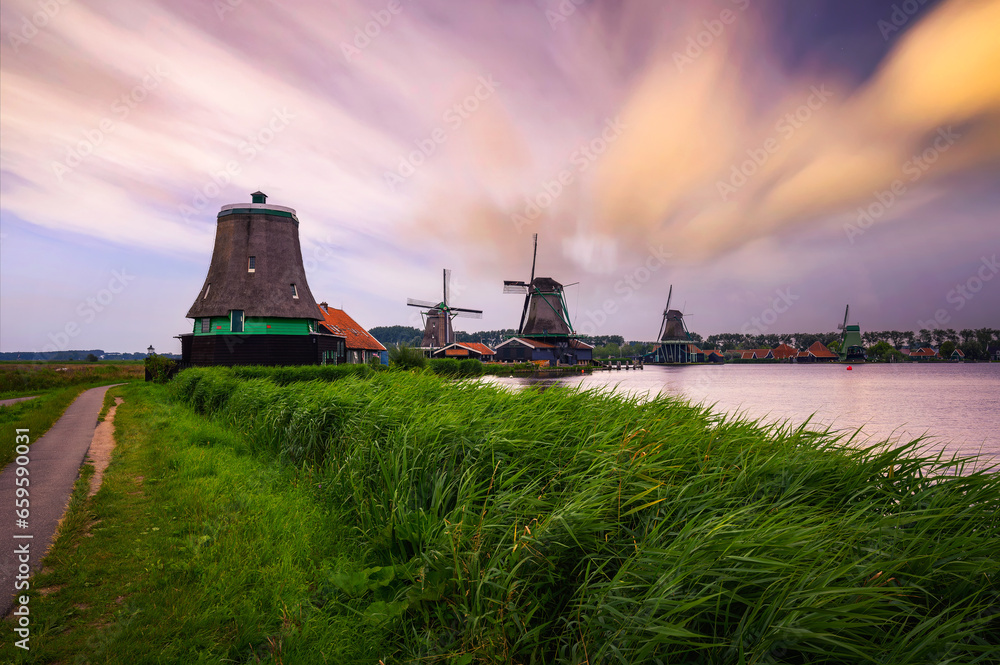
point(418, 518)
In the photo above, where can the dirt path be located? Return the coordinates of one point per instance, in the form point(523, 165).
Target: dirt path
point(101, 447)
point(51, 467)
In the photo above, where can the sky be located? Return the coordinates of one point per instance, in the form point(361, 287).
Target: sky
point(772, 161)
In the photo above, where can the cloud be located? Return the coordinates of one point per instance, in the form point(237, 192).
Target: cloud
point(719, 147)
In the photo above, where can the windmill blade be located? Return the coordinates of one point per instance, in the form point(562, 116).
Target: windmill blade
point(534, 256)
point(421, 303)
point(670, 294)
point(524, 313)
point(843, 326)
point(447, 284)
point(465, 309)
point(566, 286)
point(510, 286)
point(466, 314)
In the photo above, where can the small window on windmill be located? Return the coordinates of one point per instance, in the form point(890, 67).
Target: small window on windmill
point(252, 264)
point(206, 325)
point(295, 293)
point(206, 290)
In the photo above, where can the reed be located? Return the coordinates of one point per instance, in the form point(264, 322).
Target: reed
point(578, 526)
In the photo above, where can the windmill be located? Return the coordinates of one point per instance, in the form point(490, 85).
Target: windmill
point(673, 338)
point(438, 331)
point(545, 312)
point(851, 345)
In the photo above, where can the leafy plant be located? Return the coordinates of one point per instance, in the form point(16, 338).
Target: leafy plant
point(160, 369)
point(403, 356)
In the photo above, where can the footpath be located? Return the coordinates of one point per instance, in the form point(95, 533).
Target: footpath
point(47, 471)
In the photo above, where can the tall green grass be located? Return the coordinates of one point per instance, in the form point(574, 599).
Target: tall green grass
point(23, 379)
point(582, 527)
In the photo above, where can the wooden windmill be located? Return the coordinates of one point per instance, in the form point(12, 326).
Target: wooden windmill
point(673, 339)
point(852, 348)
point(545, 312)
point(438, 330)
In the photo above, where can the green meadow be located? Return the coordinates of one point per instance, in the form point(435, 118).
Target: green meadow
point(367, 516)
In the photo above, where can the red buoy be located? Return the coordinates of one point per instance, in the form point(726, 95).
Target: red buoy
point(848, 367)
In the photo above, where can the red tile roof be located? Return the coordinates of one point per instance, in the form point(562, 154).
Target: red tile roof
point(819, 350)
point(926, 352)
point(463, 349)
point(479, 346)
point(783, 351)
point(339, 323)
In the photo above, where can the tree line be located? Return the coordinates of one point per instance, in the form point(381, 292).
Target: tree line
point(974, 343)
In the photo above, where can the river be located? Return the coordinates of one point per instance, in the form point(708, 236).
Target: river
point(956, 405)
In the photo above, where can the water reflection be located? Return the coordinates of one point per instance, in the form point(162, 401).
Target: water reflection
point(954, 405)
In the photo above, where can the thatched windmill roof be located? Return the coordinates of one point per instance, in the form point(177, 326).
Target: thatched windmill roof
point(673, 327)
point(546, 312)
point(269, 234)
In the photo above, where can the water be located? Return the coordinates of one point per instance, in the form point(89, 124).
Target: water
point(954, 404)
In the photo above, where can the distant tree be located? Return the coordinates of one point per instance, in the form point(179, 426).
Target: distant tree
point(882, 351)
point(973, 350)
point(607, 351)
point(834, 346)
point(924, 337)
point(91, 358)
point(395, 335)
point(985, 337)
point(947, 348)
point(696, 338)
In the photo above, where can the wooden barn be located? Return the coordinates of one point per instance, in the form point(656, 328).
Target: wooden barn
point(255, 307)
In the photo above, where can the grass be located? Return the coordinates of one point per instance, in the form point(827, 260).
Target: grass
point(55, 391)
point(403, 518)
point(194, 552)
point(577, 526)
point(21, 379)
point(37, 415)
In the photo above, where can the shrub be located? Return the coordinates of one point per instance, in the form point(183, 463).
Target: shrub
point(444, 366)
point(470, 367)
point(406, 357)
point(160, 369)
